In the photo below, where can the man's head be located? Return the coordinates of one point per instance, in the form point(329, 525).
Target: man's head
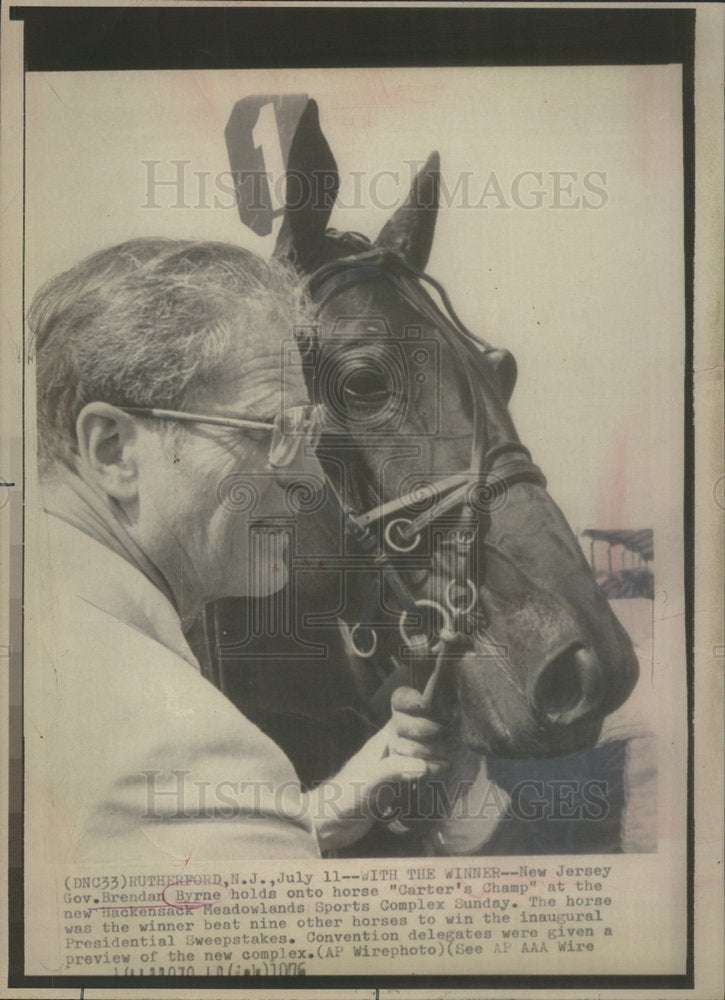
point(184, 326)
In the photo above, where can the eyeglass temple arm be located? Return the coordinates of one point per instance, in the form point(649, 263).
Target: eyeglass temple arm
point(145, 411)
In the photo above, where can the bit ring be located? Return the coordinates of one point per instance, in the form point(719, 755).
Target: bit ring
point(393, 545)
point(363, 654)
point(460, 609)
point(413, 641)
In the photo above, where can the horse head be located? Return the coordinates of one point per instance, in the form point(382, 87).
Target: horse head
point(481, 591)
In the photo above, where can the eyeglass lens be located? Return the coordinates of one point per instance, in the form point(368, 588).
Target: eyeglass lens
point(291, 428)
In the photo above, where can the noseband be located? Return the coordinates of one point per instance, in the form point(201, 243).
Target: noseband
point(494, 465)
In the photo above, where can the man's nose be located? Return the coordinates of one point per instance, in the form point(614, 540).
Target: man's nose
point(303, 473)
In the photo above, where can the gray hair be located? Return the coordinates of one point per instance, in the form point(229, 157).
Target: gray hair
point(147, 323)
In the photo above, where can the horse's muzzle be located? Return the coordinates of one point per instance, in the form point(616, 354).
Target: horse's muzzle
point(568, 688)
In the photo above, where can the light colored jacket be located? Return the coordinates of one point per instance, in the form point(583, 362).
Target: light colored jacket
point(133, 757)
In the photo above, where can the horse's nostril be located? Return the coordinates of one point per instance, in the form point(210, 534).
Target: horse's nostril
point(568, 687)
point(559, 688)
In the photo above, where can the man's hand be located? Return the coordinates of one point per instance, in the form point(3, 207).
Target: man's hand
point(408, 747)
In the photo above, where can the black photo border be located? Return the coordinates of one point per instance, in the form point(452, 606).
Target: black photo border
point(210, 37)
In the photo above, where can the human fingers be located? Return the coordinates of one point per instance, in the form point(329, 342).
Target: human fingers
point(408, 700)
point(397, 767)
point(414, 727)
point(413, 748)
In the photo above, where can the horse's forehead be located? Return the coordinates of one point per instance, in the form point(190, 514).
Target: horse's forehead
point(368, 327)
point(374, 304)
point(375, 312)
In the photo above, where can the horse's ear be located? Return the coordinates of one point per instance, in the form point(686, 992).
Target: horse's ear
point(311, 190)
point(410, 230)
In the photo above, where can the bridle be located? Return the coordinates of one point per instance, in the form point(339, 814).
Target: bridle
point(497, 461)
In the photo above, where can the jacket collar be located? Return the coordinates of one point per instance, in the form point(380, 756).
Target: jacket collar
point(98, 562)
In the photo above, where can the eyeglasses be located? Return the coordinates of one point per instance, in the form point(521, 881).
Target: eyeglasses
point(288, 429)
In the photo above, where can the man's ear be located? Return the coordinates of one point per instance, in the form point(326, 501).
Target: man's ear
point(106, 436)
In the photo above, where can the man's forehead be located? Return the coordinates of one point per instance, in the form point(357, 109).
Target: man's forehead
point(261, 376)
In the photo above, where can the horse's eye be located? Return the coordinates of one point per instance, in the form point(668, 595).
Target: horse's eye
point(359, 389)
point(366, 386)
